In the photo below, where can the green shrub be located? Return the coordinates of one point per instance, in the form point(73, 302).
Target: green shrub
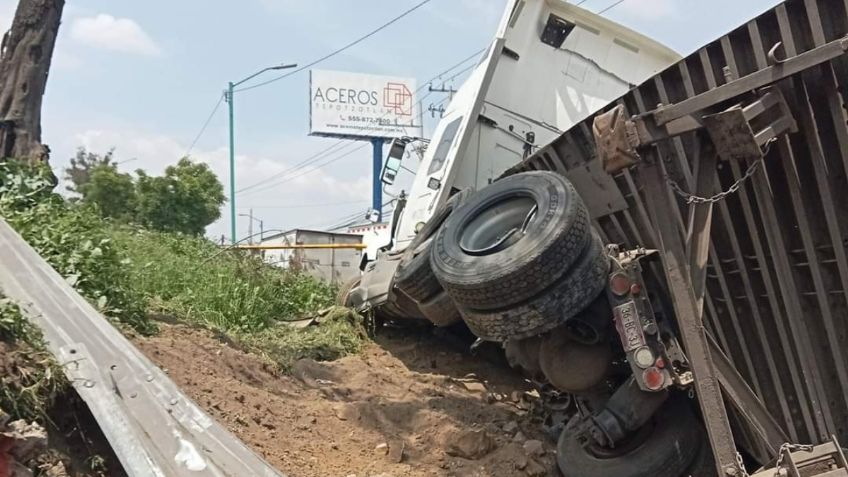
point(73, 239)
point(130, 273)
point(192, 280)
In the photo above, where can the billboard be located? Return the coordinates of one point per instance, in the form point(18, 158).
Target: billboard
point(355, 105)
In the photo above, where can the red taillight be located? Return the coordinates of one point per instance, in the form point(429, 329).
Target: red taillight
point(620, 284)
point(654, 378)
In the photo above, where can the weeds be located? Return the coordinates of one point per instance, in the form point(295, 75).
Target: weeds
point(30, 379)
point(130, 273)
point(73, 239)
point(186, 278)
point(339, 333)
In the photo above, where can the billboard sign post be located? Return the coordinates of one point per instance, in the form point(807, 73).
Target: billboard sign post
point(364, 107)
point(361, 106)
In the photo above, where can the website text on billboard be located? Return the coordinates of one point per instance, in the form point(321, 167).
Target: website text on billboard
point(363, 106)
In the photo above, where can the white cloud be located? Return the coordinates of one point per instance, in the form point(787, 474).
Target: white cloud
point(116, 34)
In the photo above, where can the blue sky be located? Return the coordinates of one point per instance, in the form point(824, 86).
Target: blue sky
point(143, 76)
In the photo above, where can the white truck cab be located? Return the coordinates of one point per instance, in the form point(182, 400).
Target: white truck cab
point(551, 65)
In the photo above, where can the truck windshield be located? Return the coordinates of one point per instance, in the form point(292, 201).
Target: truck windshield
point(444, 146)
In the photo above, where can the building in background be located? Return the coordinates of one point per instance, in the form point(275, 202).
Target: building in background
point(374, 236)
point(332, 265)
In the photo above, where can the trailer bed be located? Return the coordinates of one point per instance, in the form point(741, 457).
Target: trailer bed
point(776, 297)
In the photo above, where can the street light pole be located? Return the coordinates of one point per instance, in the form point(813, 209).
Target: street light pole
point(228, 96)
point(250, 226)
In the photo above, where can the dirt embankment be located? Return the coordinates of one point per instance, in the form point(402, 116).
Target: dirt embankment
point(407, 406)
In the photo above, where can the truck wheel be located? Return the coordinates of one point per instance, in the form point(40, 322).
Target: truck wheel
point(552, 307)
point(414, 275)
point(666, 447)
point(704, 465)
point(512, 240)
point(440, 310)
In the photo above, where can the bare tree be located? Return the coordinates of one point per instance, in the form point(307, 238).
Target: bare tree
point(25, 55)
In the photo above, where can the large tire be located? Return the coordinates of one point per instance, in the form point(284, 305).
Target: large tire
point(669, 449)
point(440, 310)
point(546, 226)
point(552, 307)
point(704, 465)
point(414, 275)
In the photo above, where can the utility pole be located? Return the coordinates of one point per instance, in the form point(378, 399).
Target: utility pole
point(250, 226)
point(228, 96)
point(450, 91)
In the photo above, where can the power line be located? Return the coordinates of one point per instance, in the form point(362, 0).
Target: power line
point(619, 2)
point(309, 171)
point(336, 52)
point(318, 166)
point(205, 124)
point(438, 76)
point(323, 153)
point(354, 218)
point(304, 206)
point(295, 167)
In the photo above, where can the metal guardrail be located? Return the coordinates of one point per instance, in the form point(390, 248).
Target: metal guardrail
point(153, 428)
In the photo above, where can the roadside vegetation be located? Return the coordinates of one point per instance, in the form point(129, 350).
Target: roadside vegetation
point(30, 379)
point(139, 273)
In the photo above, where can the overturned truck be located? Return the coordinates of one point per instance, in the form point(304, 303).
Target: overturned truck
point(675, 263)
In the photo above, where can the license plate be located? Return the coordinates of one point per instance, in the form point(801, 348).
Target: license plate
point(628, 325)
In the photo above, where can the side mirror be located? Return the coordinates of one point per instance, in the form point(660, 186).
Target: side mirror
point(390, 170)
point(393, 161)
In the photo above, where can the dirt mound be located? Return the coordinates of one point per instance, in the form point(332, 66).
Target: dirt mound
point(406, 406)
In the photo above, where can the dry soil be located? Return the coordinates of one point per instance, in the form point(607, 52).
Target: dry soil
point(414, 403)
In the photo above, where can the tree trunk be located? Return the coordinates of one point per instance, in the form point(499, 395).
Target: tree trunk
point(25, 55)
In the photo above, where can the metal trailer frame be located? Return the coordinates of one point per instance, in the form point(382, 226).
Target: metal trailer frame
point(153, 427)
point(757, 279)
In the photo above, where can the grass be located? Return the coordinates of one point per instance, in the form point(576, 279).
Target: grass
point(133, 275)
point(190, 279)
point(339, 333)
point(30, 379)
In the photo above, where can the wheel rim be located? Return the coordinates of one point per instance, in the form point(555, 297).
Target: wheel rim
point(499, 226)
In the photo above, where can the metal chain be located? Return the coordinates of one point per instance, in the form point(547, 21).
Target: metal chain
point(741, 463)
point(694, 199)
point(785, 450)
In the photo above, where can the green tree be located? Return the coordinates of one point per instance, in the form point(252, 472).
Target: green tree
point(111, 191)
point(82, 164)
point(186, 199)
